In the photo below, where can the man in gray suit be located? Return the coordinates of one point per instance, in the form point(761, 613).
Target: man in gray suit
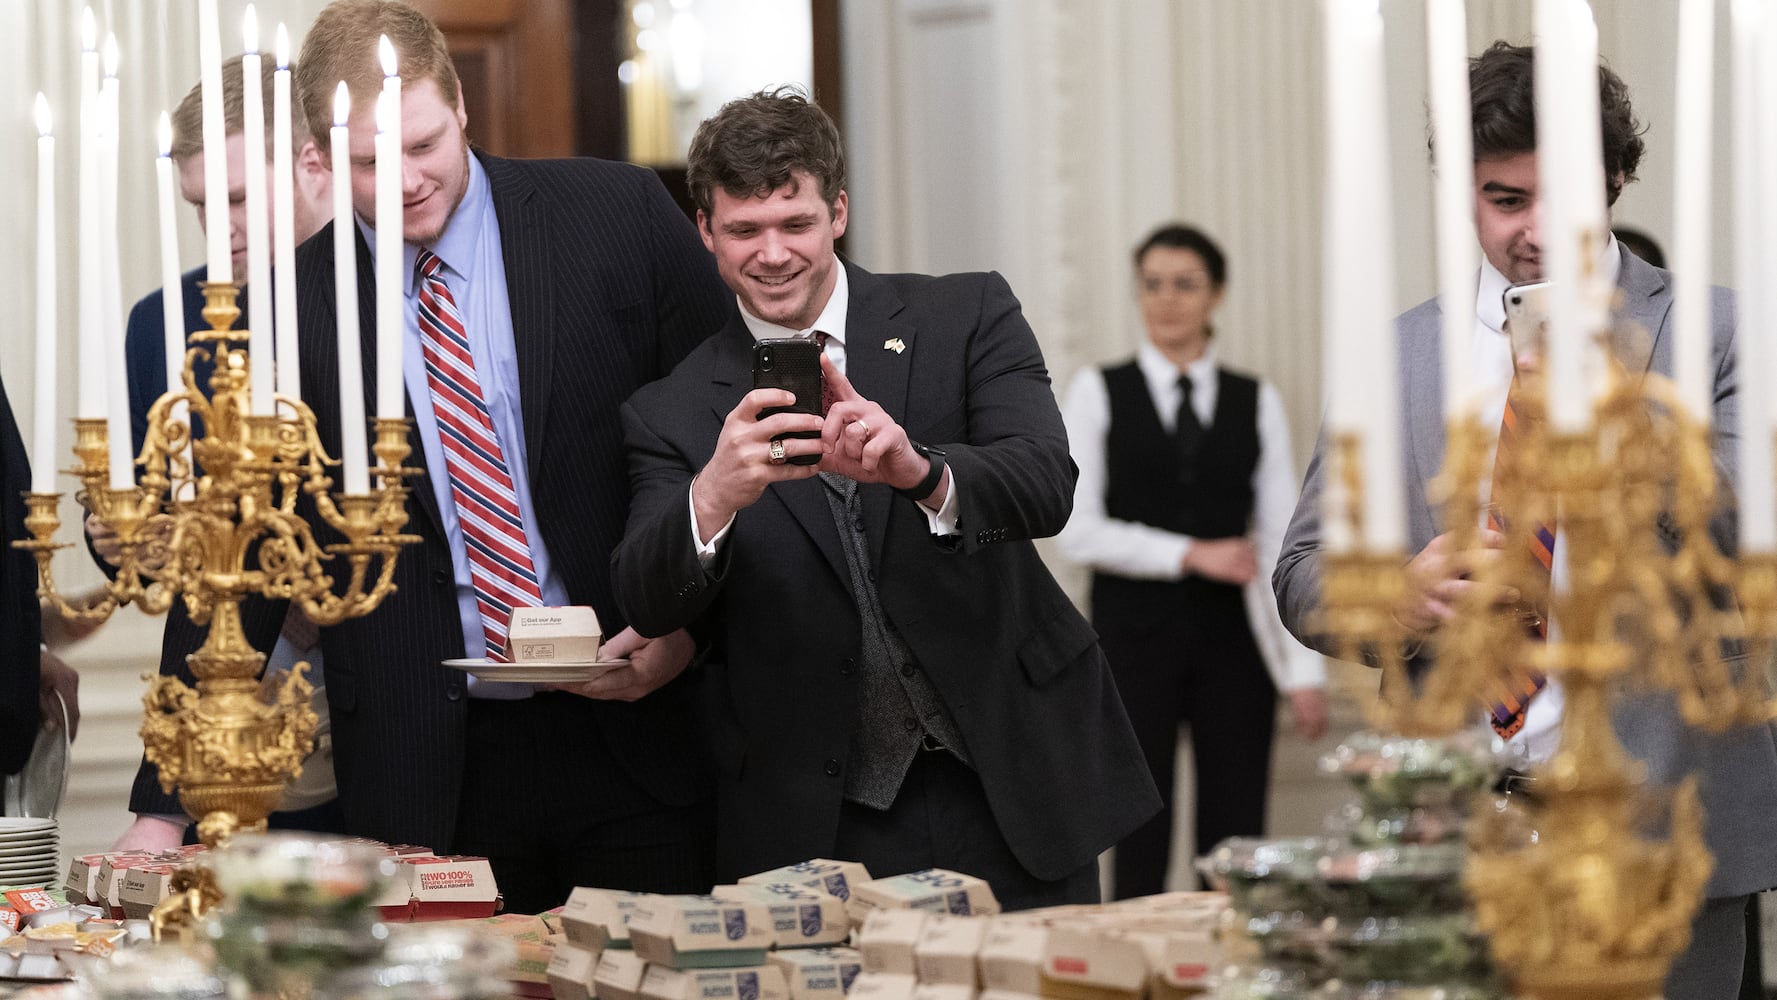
point(1737, 770)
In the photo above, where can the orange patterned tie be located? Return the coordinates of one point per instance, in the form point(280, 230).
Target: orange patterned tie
point(1510, 707)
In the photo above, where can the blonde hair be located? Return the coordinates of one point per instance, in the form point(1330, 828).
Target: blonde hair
point(188, 117)
point(342, 43)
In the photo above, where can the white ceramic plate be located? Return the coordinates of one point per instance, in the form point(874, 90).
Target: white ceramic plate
point(552, 672)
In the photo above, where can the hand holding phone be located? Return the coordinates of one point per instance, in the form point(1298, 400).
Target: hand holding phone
point(1527, 316)
point(793, 364)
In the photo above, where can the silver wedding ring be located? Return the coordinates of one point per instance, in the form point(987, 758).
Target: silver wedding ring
point(777, 453)
point(866, 429)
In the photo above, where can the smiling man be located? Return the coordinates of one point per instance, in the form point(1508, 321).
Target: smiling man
point(557, 287)
point(896, 677)
point(1736, 770)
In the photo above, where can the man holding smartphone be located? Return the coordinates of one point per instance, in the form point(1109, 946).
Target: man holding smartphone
point(1736, 770)
point(895, 676)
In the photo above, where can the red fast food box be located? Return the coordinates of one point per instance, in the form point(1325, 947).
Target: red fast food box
point(109, 886)
point(445, 887)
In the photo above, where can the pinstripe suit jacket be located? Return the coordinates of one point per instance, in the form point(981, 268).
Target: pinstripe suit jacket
point(1016, 664)
point(1736, 770)
point(609, 288)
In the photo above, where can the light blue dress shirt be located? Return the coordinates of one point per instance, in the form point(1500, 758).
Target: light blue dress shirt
point(475, 271)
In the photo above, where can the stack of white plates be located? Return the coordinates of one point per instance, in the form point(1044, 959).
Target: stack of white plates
point(28, 851)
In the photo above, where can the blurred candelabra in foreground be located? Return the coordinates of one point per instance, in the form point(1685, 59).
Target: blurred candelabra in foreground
point(1586, 888)
point(214, 519)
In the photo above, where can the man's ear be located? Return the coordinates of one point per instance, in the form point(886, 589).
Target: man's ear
point(703, 230)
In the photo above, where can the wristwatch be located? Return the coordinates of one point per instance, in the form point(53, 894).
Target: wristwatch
point(925, 487)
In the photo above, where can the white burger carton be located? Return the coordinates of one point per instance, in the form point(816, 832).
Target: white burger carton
point(800, 917)
point(696, 932)
point(754, 982)
point(553, 635)
point(570, 972)
point(935, 890)
point(818, 973)
point(618, 975)
point(887, 939)
point(882, 986)
point(597, 919)
point(833, 877)
point(1012, 953)
point(946, 949)
point(943, 991)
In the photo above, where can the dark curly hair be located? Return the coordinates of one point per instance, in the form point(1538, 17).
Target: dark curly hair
point(754, 143)
point(1502, 99)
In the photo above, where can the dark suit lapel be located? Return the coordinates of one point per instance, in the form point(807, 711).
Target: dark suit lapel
point(879, 373)
point(730, 379)
point(524, 242)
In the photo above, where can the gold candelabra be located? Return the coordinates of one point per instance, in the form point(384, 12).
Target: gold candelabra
point(1588, 887)
point(214, 518)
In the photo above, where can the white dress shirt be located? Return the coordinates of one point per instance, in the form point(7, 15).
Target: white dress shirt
point(1144, 552)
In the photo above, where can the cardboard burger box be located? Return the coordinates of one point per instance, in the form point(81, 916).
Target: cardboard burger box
point(143, 887)
point(554, 635)
point(882, 986)
point(832, 877)
point(887, 940)
point(618, 975)
point(947, 948)
point(443, 887)
point(1160, 955)
point(943, 991)
point(934, 890)
point(696, 932)
point(818, 973)
point(596, 919)
point(753, 982)
point(1012, 954)
point(570, 971)
point(800, 917)
point(109, 885)
point(82, 885)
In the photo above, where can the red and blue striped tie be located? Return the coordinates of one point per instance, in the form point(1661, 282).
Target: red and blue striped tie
point(487, 505)
point(1512, 703)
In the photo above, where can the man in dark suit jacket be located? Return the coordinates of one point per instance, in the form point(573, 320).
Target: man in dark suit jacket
point(598, 287)
point(21, 626)
point(894, 676)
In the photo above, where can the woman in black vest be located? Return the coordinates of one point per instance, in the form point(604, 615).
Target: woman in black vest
point(1186, 484)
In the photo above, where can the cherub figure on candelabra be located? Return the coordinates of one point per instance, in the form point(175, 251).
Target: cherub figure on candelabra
point(214, 518)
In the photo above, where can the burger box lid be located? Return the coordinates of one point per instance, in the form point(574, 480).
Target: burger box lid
point(753, 982)
point(818, 973)
point(887, 939)
point(800, 917)
point(882, 986)
point(685, 932)
point(618, 975)
point(599, 918)
point(570, 971)
point(934, 889)
point(834, 877)
point(550, 635)
point(946, 949)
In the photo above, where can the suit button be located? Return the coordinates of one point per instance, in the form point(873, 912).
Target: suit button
point(907, 669)
point(847, 667)
point(454, 693)
point(832, 767)
point(910, 724)
point(440, 577)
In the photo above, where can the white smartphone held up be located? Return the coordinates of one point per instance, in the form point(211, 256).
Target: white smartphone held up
point(1527, 316)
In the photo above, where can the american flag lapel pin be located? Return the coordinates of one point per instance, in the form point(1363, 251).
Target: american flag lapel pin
point(894, 344)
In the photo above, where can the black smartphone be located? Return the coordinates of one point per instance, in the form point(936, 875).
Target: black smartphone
point(792, 363)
